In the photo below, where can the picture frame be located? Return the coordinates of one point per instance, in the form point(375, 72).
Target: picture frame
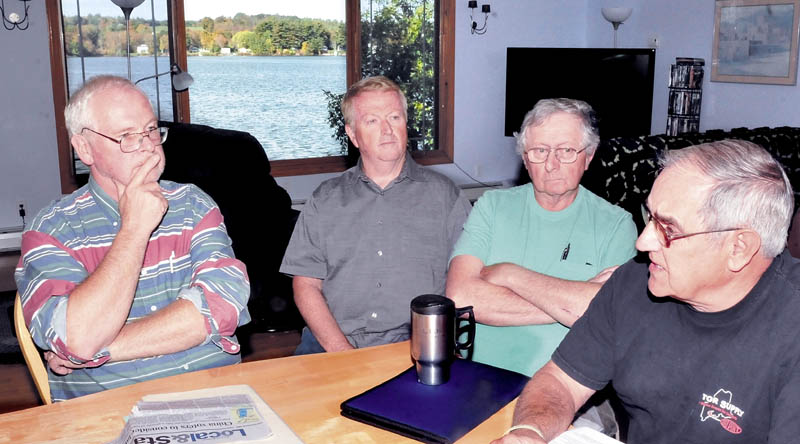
point(755, 41)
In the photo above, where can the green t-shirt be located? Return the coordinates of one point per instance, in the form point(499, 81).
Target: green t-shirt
point(510, 226)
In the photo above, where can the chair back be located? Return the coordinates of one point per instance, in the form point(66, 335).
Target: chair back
point(31, 354)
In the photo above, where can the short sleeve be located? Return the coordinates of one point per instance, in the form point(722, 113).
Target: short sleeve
point(457, 218)
point(621, 245)
point(476, 238)
point(305, 255)
point(587, 352)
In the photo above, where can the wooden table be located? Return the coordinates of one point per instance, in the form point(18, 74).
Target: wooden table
point(303, 390)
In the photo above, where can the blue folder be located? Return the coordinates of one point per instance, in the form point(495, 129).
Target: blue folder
point(437, 413)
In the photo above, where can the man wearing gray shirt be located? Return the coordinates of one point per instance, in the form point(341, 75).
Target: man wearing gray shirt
point(370, 240)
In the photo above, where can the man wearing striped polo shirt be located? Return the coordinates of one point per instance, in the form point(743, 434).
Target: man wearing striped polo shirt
point(128, 278)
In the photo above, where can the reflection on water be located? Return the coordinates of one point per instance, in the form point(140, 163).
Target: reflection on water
point(278, 100)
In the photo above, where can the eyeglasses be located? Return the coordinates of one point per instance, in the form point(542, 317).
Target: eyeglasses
point(131, 142)
point(664, 237)
point(564, 155)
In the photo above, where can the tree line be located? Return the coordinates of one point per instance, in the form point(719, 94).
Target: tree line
point(398, 40)
point(261, 34)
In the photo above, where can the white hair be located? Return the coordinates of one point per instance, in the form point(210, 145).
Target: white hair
point(750, 189)
point(547, 107)
point(76, 113)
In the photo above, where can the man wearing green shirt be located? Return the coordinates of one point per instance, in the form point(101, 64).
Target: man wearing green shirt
point(531, 258)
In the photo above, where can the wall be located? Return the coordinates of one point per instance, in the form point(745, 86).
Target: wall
point(28, 156)
point(29, 166)
point(685, 28)
point(481, 148)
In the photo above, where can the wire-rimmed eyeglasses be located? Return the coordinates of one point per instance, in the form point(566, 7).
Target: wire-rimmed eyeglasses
point(564, 155)
point(131, 142)
point(665, 238)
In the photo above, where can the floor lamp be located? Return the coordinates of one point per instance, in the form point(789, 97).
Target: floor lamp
point(616, 16)
point(127, 6)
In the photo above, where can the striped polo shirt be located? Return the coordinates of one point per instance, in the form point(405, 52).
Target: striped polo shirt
point(188, 256)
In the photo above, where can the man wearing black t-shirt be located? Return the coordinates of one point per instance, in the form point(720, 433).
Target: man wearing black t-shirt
point(701, 345)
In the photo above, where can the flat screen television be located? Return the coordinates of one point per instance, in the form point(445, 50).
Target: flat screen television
point(618, 83)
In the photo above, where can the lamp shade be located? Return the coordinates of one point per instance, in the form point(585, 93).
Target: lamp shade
point(181, 80)
point(616, 15)
point(128, 3)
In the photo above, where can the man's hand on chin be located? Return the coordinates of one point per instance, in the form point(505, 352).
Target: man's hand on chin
point(141, 203)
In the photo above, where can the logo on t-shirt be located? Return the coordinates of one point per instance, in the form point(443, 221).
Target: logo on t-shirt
point(720, 408)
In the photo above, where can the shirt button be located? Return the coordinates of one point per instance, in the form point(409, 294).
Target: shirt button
point(374, 315)
point(153, 308)
point(380, 253)
point(114, 224)
point(234, 347)
point(186, 366)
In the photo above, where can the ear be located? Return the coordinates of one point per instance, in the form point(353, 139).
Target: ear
point(742, 248)
point(82, 149)
point(589, 158)
point(351, 133)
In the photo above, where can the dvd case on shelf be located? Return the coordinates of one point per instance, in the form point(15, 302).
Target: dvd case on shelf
point(685, 95)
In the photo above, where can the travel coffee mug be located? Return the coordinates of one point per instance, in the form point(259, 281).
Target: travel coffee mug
point(435, 330)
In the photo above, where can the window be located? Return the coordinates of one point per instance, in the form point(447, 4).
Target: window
point(96, 42)
point(375, 29)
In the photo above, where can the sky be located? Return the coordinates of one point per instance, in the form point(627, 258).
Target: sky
point(197, 9)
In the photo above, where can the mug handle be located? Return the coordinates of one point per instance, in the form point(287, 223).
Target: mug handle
point(469, 328)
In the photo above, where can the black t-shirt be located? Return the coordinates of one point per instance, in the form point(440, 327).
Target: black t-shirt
point(690, 377)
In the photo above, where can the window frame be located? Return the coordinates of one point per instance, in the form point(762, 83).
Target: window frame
point(291, 167)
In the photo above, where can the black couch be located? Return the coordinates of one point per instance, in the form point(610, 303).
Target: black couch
point(624, 168)
point(232, 167)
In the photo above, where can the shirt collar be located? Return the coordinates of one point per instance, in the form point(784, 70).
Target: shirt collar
point(411, 170)
point(103, 199)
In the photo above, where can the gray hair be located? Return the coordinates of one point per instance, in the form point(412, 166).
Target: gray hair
point(547, 107)
point(750, 189)
point(76, 113)
point(376, 83)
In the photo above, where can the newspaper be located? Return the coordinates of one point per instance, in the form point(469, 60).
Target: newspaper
point(236, 415)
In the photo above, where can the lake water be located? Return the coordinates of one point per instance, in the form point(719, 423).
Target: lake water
point(278, 100)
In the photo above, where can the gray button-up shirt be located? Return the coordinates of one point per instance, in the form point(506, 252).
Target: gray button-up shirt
point(375, 250)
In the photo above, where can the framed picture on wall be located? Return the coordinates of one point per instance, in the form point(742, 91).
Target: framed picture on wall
point(755, 41)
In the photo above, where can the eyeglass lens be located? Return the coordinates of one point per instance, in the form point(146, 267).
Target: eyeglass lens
point(661, 233)
point(132, 142)
point(564, 155)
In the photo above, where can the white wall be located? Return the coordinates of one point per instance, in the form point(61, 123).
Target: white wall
point(685, 28)
point(28, 154)
point(29, 165)
point(481, 148)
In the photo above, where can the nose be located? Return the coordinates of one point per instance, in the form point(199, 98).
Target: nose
point(386, 127)
point(551, 163)
point(147, 144)
point(648, 240)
